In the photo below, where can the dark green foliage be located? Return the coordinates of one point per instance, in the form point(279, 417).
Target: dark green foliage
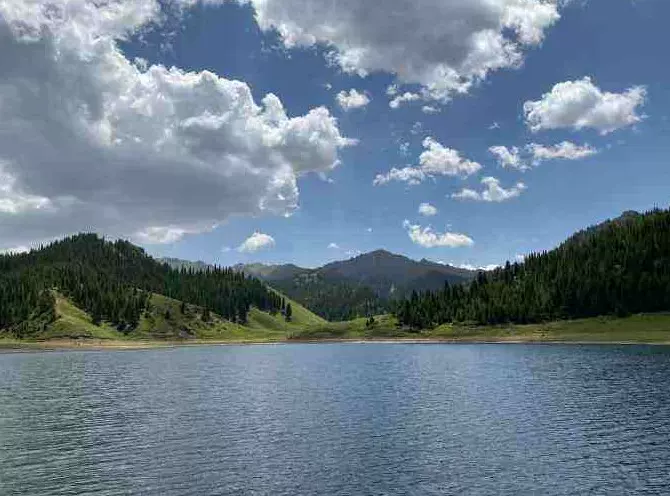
point(357, 287)
point(616, 268)
point(332, 300)
point(288, 313)
point(113, 282)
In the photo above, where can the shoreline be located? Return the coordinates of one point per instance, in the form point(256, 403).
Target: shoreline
point(10, 346)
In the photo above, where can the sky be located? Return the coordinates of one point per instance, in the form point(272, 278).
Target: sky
point(468, 132)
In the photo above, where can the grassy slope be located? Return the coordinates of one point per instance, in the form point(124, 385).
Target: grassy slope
point(164, 323)
point(643, 328)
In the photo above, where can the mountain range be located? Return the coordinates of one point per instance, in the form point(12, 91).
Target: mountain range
point(386, 273)
point(356, 287)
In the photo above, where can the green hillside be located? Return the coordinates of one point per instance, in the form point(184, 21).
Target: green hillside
point(167, 319)
point(640, 328)
point(113, 282)
point(620, 267)
point(164, 323)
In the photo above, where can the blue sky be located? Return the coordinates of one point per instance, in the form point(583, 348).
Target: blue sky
point(620, 162)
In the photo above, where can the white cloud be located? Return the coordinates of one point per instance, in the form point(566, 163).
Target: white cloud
point(417, 127)
point(14, 250)
point(404, 148)
point(536, 154)
point(492, 192)
point(392, 90)
point(485, 268)
point(430, 109)
point(409, 175)
point(333, 246)
point(426, 237)
point(353, 253)
point(257, 241)
point(226, 249)
point(91, 139)
point(427, 210)
point(565, 150)
point(352, 99)
point(445, 46)
point(508, 157)
point(369, 229)
point(160, 235)
point(493, 126)
point(436, 160)
point(404, 98)
point(580, 104)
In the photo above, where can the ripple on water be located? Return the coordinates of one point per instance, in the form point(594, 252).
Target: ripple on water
point(373, 419)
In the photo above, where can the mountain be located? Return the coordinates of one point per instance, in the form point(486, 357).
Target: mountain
point(390, 274)
point(272, 272)
point(618, 267)
point(357, 287)
point(122, 289)
point(178, 263)
point(386, 273)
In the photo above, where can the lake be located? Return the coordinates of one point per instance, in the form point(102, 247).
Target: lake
point(337, 419)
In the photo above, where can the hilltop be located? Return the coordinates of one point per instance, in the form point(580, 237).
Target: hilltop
point(619, 267)
point(359, 286)
point(86, 286)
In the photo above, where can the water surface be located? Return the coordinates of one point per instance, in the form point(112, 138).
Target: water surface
point(337, 419)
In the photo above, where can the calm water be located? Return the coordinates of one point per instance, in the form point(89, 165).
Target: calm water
point(349, 419)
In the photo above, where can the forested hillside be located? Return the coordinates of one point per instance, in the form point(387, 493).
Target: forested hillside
point(616, 268)
point(334, 300)
point(113, 281)
point(360, 286)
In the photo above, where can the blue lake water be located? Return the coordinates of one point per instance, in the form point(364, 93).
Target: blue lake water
point(337, 419)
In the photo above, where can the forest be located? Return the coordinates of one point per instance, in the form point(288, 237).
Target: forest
point(619, 267)
point(113, 281)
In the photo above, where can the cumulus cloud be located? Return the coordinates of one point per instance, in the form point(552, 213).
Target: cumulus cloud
point(445, 46)
point(535, 154)
point(404, 98)
point(257, 241)
point(581, 104)
point(492, 192)
point(508, 157)
point(565, 150)
point(435, 160)
point(333, 246)
point(427, 210)
point(92, 141)
point(352, 99)
point(430, 109)
point(428, 238)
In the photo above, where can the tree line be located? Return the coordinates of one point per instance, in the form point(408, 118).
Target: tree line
point(113, 282)
point(619, 267)
point(333, 300)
